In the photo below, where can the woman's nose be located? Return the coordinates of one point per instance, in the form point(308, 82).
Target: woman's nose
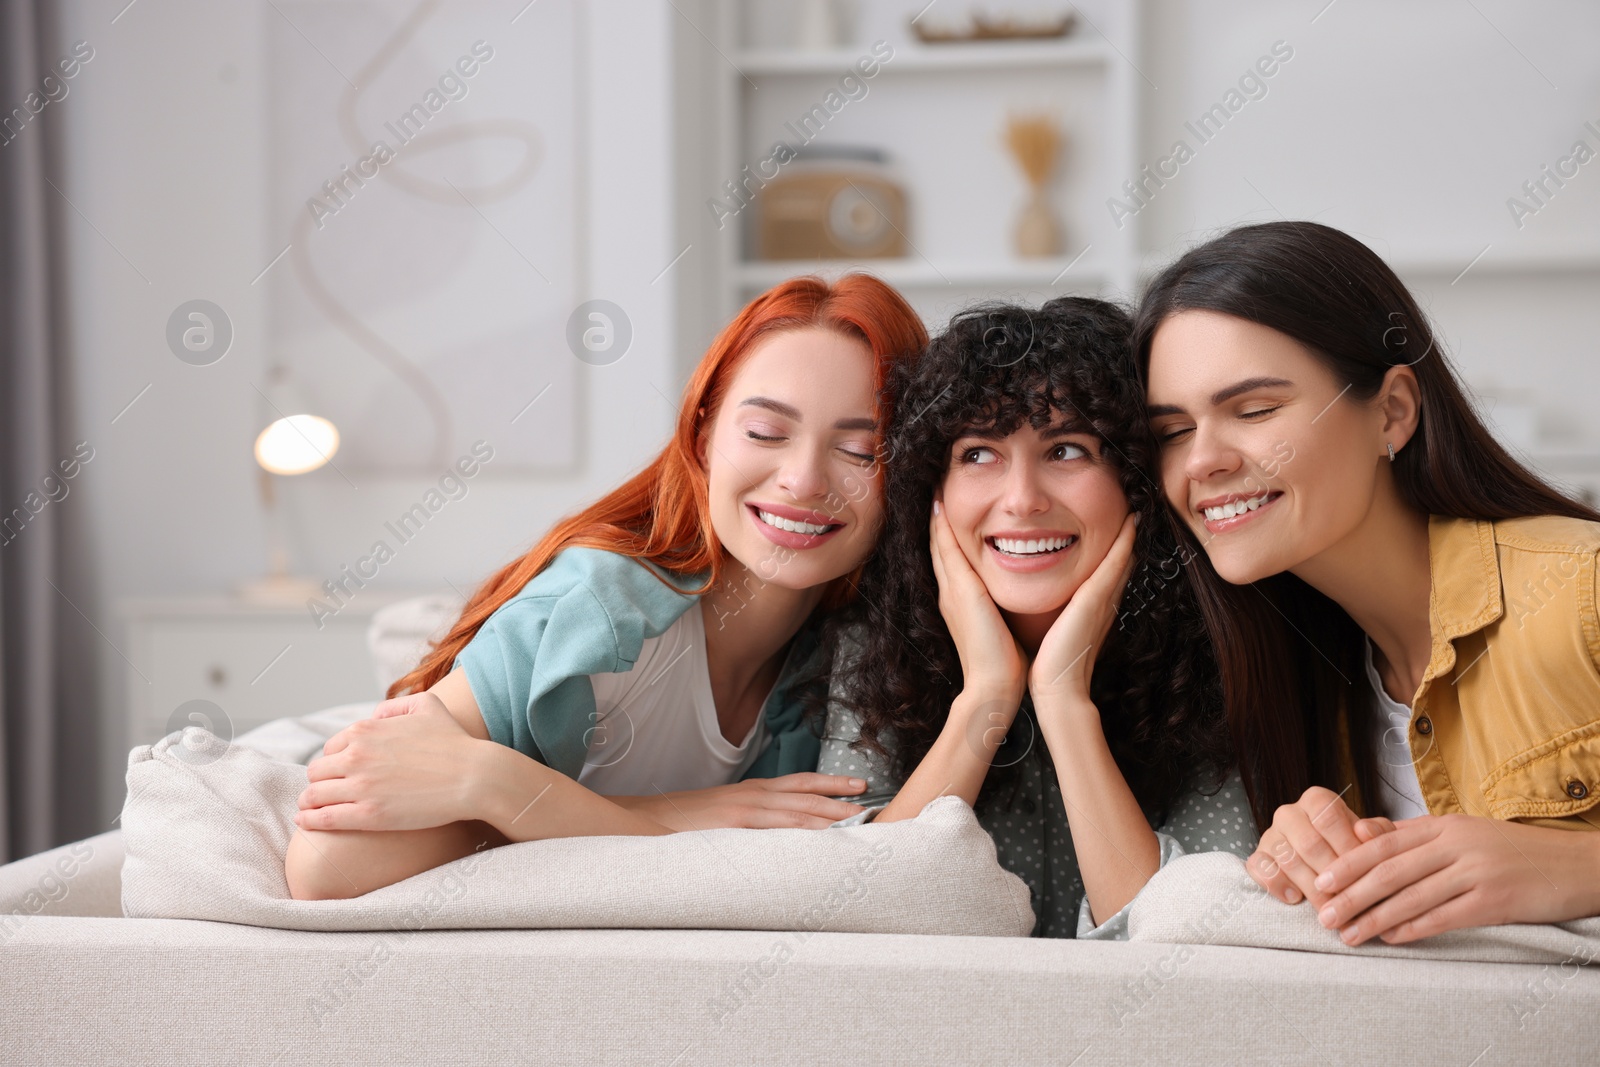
point(804, 475)
point(1210, 456)
point(1023, 495)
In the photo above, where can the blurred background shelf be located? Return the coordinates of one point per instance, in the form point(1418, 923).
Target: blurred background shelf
point(1063, 272)
point(924, 58)
point(938, 114)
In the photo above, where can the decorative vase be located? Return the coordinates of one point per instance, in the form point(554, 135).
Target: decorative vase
point(1038, 233)
point(1035, 142)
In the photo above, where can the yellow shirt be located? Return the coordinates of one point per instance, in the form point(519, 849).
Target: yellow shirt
point(1506, 722)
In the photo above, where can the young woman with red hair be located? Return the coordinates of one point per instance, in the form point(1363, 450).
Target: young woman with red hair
point(643, 668)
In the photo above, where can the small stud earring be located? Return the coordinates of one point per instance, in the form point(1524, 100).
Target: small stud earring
point(1390, 446)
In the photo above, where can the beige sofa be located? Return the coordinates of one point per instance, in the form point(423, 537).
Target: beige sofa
point(82, 984)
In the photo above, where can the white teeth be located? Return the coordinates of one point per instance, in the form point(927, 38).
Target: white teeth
point(791, 525)
point(1237, 507)
point(1013, 546)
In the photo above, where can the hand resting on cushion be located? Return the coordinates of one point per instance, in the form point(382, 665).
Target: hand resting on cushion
point(423, 770)
point(1407, 880)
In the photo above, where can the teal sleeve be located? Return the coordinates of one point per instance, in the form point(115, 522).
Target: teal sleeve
point(588, 612)
point(1220, 822)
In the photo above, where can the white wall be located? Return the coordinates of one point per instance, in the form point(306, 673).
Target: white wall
point(165, 160)
point(1409, 125)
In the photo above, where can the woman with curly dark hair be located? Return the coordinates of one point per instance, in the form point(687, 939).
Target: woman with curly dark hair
point(980, 659)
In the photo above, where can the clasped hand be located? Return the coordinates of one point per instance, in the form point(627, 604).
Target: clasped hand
point(1406, 880)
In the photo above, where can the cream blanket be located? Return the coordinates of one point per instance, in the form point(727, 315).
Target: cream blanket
point(1207, 898)
point(206, 826)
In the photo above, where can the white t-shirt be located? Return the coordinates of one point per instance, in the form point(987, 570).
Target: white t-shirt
point(656, 727)
point(1399, 792)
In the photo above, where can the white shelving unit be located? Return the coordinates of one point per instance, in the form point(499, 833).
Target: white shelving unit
point(1070, 52)
point(939, 112)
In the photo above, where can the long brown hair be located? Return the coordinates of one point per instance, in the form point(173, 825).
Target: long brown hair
point(1292, 660)
point(662, 514)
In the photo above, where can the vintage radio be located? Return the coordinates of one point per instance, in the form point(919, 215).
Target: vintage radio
point(842, 205)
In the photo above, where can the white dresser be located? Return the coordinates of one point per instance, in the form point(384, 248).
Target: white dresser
point(248, 662)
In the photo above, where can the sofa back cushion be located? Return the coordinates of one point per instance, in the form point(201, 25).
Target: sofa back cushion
point(206, 826)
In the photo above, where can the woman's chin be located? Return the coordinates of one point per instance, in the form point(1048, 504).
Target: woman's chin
point(1242, 571)
point(1032, 602)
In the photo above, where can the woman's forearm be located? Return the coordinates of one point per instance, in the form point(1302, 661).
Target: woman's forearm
point(959, 760)
point(339, 864)
point(524, 800)
point(512, 798)
point(1117, 851)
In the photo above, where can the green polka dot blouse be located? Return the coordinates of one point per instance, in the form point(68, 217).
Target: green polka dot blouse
point(1031, 835)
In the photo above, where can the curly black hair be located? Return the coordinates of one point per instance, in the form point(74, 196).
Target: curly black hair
point(1156, 682)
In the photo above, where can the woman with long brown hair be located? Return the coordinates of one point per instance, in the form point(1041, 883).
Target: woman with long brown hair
point(1404, 615)
point(644, 667)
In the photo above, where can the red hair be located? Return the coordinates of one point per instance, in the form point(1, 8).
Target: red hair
point(663, 513)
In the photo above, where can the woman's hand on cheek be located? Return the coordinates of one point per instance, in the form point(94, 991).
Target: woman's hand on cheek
point(409, 767)
point(991, 660)
point(1444, 872)
point(1067, 655)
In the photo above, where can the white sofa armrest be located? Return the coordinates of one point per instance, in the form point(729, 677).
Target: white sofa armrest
point(83, 878)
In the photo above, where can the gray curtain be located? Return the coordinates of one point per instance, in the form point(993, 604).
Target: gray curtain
point(48, 754)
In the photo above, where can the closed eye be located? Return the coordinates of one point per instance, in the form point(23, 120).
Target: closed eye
point(1259, 412)
point(1172, 433)
point(760, 437)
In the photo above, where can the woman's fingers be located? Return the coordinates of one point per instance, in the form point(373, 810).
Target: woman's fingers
point(934, 549)
point(334, 817)
point(336, 744)
point(330, 791)
point(1332, 818)
point(1120, 557)
point(788, 819)
point(1454, 914)
point(1264, 868)
point(804, 799)
point(1300, 850)
point(1370, 857)
point(1367, 829)
point(398, 706)
point(1111, 575)
point(323, 767)
point(948, 552)
point(1306, 840)
point(827, 785)
point(1407, 905)
point(1394, 864)
point(808, 793)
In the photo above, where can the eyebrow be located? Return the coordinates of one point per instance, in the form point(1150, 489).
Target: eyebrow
point(1222, 396)
point(789, 411)
point(1071, 427)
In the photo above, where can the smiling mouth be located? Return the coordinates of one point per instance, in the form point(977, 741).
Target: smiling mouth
point(1019, 548)
point(808, 529)
point(1239, 507)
